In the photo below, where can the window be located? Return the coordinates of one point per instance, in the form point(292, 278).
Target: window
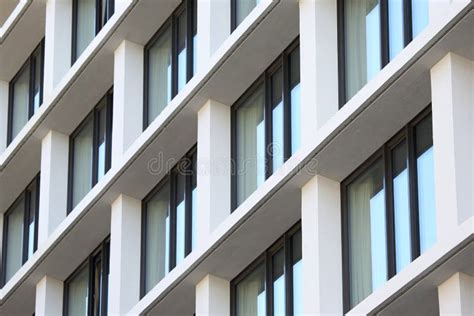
point(372, 33)
point(240, 9)
point(168, 222)
point(266, 125)
point(20, 230)
point(272, 284)
point(169, 60)
point(85, 291)
point(90, 150)
point(389, 214)
point(88, 18)
point(26, 92)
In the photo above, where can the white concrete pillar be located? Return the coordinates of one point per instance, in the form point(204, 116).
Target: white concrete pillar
point(58, 37)
point(452, 86)
point(213, 296)
point(213, 27)
point(318, 53)
point(321, 246)
point(125, 234)
point(128, 98)
point(3, 115)
point(213, 168)
point(456, 295)
point(53, 183)
point(49, 297)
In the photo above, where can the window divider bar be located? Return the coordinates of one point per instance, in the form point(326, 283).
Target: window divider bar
point(269, 282)
point(288, 250)
point(174, 55)
point(95, 142)
point(413, 189)
point(31, 88)
point(407, 21)
point(267, 112)
point(188, 206)
point(389, 212)
point(384, 33)
point(286, 99)
point(189, 39)
point(172, 246)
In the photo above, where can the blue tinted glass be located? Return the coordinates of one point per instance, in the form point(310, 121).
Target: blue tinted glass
point(295, 99)
point(182, 60)
point(401, 206)
point(372, 34)
point(180, 217)
point(425, 176)
point(278, 265)
point(297, 274)
point(277, 120)
point(395, 27)
point(420, 15)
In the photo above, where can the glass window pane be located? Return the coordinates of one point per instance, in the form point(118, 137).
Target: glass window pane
point(367, 233)
point(82, 162)
point(195, 36)
point(243, 8)
point(77, 293)
point(425, 175)
point(401, 206)
point(32, 192)
point(295, 99)
point(157, 237)
point(251, 294)
point(182, 51)
point(278, 267)
point(250, 133)
point(20, 100)
point(85, 28)
point(180, 215)
point(420, 15)
point(102, 139)
point(194, 208)
point(107, 9)
point(296, 259)
point(37, 87)
point(14, 242)
point(362, 40)
point(395, 27)
point(97, 286)
point(277, 119)
point(159, 75)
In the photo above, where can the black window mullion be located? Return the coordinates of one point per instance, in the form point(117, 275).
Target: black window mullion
point(95, 149)
point(286, 106)
point(288, 275)
point(188, 206)
point(108, 130)
point(341, 60)
point(98, 16)
point(41, 67)
point(74, 31)
point(110, 8)
point(384, 33)
point(90, 293)
point(104, 278)
point(407, 21)
point(269, 283)
point(172, 246)
point(267, 112)
point(413, 192)
point(37, 197)
point(174, 55)
point(31, 88)
point(26, 217)
point(189, 39)
point(143, 254)
point(387, 158)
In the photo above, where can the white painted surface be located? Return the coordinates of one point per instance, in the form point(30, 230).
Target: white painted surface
point(213, 296)
point(456, 295)
point(49, 297)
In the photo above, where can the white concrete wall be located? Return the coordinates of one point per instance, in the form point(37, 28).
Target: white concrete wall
point(452, 86)
point(322, 248)
point(456, 295)
point(214, 168)
point(213, 27)
point(53, 183)
point(57, 50)
point(49, 297)
point(318, 53)
point(125, 234)
point(128, 98)
point(3, 115)
point(213, 296)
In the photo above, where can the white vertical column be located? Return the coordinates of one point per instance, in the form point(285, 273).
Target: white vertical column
point(58, 36)
point(456, 295)
point(213, 296)
point(321, 246)
point(3, 115)
point(213, 168)
point(213, 27)
point(125, 230)
point(128, 97)
point(318, 51)
point(49, 297)
point(452, 85)
point(53, 183)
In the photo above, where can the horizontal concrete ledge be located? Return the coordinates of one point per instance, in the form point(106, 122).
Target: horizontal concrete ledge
point(438, 263)
point(13, 19)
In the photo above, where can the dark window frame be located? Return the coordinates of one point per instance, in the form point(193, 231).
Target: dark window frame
point(188, 6)
point(384, 155)
point(384, 40)
point(31, 64)
point(94, 116)
point(27, 197)
point(188, 162)
point(102, 252)
point(99, 24)
point(282, 243)
point(282, 62)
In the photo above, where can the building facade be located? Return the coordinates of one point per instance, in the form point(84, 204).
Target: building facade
point(236, 157)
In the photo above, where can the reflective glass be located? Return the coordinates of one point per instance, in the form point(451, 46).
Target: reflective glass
point(78, 293)
point(277, 146)
point(82, 162)
point(278, 267)
point(295, 99)
point(251, 294)
point(420, 15)
point(395, 27)
point(20, 106)
point(14, 242)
